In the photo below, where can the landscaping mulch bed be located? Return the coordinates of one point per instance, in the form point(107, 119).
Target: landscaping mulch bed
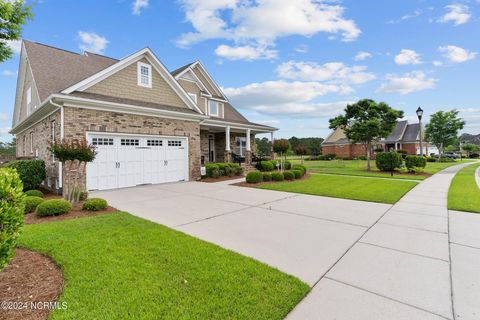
point(211, 180)
point(76, 212)
point(30, 280)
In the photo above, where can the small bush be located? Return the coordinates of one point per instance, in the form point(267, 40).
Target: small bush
point(277, 176)
point(220, 169)
point(53, 207)
point(275, 162)
point(95, 204)
point(254, 177)
point(287, 165)
point(12, 206)
point(431, 159)
point(288, 175)
point(345, 158)
point(267, 165)
point(34, 193)
point(474, 156)
point(403, 152)
point(330, 156)
point(388, 161)
point(297, 173)
point(31, 203)
point(303, 169)
point(267, 176)
point(210, 168)
point(415, 161)
point(362, 158)
point(31, 172)
point(445, 159)
point(416, 170)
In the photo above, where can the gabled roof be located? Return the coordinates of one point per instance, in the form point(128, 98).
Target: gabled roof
point(181, 69)
point(412, 133)
point(397, 132)
point(55, 69)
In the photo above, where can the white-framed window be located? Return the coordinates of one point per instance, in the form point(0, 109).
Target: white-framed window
point(29, 100)
point(31, 142)
point(144, 74)
point(240, 146)
point(193, 96)
point(213, 108)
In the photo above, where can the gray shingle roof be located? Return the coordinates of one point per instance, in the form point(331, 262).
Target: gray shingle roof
point(411, 133)
point(397, 132)
point(55, 69)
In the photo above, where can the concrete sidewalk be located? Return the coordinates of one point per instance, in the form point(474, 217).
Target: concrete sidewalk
point(405, 265)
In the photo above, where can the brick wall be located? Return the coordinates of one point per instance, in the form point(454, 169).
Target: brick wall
point(78, 121)
point(124, 84)
point(42, 137)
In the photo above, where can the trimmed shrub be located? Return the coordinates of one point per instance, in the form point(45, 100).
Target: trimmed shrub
point(31, 172)
point(362, 158)
point(287, 165)
point(297, 173)
point(34, 193)
point(474, 156)
point(267, 165)
point(12, 206)
point(267, 176)
point(301, 168)
point(212, 169)
point(416, 170)
point(330, 156)
point(277, 176)
point(415, 161)
point(31, 203)
point(254, 177)
point(403, 152)
point(346, 158)
point(445, 159)
point(388, 161)
point(53, 207)
point(95, 204)
point(288, 175)
point(431, 159)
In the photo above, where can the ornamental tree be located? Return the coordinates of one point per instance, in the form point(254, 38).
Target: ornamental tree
point(366, 122)
point(443, 128)
point(300, 150)
point(281, 146)
point(74, 155)
point(13, 14)
point(469, 148)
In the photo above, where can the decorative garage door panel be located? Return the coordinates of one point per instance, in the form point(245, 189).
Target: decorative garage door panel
point(126, 161)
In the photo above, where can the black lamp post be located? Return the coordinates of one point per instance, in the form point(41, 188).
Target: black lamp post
point(419, 115)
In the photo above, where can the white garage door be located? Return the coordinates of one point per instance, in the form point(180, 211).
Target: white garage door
point(126, 161)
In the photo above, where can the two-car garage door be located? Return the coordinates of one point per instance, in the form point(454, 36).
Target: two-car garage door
point(126, 161)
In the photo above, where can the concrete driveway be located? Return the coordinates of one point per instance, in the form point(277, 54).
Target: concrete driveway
point(299, 234)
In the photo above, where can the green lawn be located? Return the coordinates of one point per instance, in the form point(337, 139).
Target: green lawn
point(359, 168)
point(464, 194)
point(117, 266)
point(347, 187)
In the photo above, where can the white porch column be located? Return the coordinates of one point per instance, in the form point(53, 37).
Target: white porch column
point(272, 138)
point(248, 140)
point(227, 138)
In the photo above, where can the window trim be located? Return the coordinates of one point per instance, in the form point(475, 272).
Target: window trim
point(52, 128)
point(139, 74)
point(29, 101)
point(31, 142)
point(193, 96)
point(240, 148)
point(218, 107)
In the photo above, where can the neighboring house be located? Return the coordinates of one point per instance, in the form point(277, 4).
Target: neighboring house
point(404, 136)
point(148, 125)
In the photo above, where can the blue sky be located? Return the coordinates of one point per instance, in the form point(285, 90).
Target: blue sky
point(290, 64)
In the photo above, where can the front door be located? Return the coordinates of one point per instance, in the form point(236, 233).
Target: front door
point(211, 148)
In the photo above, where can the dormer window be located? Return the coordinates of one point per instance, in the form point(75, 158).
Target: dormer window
point(193, 96)
point(213, 108)
point(29, 101)
point(144, 75)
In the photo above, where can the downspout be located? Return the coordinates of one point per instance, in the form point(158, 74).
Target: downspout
point(60, 165)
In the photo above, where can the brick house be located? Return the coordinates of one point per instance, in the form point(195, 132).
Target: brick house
point(149, 125)
point(404, 136)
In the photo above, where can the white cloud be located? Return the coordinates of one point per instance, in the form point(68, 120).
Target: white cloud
point(456, 54)
point(414, 14)
point(362, 55)
point(407, 83)
point(332, 72)
point(15, 45)
point(138, 5)
point(4, 116)
point(280, 92)
point(8, 73)
point(303, 110)
point(437, 63)
point(457, 13)
point(245, 52)
point(5, 130)
point(92, 42)
point(262, 22)
point(270, 122)
point(303, 48)
point(407, 56)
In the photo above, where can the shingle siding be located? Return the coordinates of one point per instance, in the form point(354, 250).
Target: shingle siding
point(124, 84)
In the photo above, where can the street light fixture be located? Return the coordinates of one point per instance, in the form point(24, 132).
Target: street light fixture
point(419, 115)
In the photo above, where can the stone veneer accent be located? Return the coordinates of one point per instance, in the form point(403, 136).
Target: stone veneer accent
point(123, 84)
point(220, 144)
point(78, 121)
point(42, 137)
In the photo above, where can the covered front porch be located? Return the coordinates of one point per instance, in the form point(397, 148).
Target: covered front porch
point(230, 143)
